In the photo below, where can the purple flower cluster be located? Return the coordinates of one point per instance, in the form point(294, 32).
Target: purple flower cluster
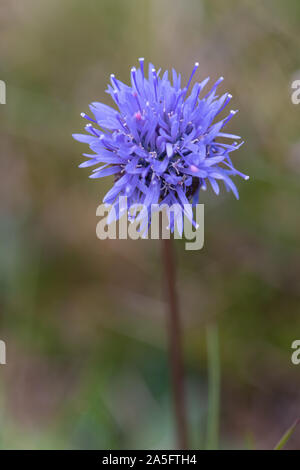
point(161, 144)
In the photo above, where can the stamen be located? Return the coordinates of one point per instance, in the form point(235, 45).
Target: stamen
point(220, 80)
point(89, 127)
point(228, 98)
point(114, 81)
point(245, 177)
point(231, 114)
point(85, 116)
point(192, 74)
point(155, 82)
point(133, 79)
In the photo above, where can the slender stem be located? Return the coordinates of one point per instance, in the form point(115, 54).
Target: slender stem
point(175, 345)
point(213, 387)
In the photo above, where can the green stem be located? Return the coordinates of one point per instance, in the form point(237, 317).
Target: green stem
point(174, 332)
point(213, 387)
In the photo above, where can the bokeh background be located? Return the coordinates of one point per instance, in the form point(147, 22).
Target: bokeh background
point(84, 319)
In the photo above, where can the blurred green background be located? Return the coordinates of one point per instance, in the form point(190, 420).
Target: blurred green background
point(84, 319)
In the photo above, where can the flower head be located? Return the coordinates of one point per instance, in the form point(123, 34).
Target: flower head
point(162, 144)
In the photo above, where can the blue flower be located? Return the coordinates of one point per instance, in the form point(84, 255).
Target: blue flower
point(162, 144)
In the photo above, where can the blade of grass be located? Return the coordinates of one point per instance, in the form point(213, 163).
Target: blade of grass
point(287, 435)
point(212, 339)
